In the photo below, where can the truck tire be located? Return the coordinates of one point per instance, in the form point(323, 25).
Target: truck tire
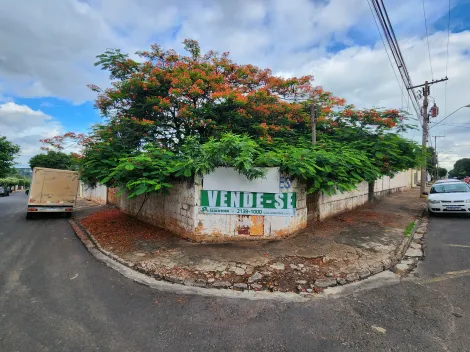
point(29, 216)
point(68, 215)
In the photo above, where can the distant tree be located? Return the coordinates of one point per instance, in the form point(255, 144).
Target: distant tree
point(53, 160)
point(461, 168)
point(8, 152)
point(431, 161)
point(442, 172)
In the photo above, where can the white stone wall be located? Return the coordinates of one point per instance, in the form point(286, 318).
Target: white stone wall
point(98, 194)
point(178, 212)
point(341, 202)
point(173, 211)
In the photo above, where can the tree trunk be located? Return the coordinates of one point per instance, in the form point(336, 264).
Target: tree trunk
point(371, 192)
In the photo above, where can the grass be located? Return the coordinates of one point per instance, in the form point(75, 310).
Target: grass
point(409, 229)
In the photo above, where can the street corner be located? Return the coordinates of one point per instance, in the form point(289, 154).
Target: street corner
point(337, 253)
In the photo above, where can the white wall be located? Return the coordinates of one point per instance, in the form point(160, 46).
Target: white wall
point(98, 194)
point(341, 202)
point(174, 211)
point(179, 212)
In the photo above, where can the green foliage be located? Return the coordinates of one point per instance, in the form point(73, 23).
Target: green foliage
point(8, 152)
point(9, 181)
point(409, 229)
point(442, 172)
point(53, 160)
point(327, 168)
point(431, 161)
point(388, 152)
point(461, 168)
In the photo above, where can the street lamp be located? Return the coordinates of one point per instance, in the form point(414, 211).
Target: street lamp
point(465, 106)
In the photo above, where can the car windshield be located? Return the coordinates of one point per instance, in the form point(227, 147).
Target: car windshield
point(450, 188)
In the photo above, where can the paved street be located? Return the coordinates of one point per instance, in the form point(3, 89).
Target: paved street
point(54, 296)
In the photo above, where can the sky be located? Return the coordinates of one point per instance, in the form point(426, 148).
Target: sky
point(49, 48)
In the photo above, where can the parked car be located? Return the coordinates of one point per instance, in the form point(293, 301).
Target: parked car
point(4, 192)
point(450, 197)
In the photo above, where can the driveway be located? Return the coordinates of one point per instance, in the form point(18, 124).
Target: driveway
point(54, 296)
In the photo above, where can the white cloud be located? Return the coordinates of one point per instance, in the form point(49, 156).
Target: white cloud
point(25, 127)
point(364, 76)
point(49, 46)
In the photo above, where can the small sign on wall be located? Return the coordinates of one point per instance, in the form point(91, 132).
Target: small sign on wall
point(222, 177)
point(248, 203)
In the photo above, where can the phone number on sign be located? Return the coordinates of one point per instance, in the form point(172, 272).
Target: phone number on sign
point(242, 211)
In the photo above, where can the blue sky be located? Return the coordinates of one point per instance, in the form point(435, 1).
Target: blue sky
point(47, 57)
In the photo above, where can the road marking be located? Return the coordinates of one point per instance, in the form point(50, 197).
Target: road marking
point(447, 276)
point(378, 329)
point(458, 245)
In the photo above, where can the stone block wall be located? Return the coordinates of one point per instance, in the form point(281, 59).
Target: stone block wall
point(341, 202)
point(178, 212)
point(173, 211)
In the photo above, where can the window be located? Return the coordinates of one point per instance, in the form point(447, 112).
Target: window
point(450, 188)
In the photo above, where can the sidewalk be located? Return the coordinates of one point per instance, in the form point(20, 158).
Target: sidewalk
point(342, 249)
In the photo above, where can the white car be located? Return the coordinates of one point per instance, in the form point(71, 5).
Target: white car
point(451, 197)
point(447, 181)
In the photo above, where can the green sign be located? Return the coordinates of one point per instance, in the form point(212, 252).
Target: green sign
point(248, 203)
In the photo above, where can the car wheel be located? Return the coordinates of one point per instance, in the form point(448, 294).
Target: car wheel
point(68, 215)
point(29, 216)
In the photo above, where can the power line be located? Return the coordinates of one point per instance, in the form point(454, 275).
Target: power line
point(427, 38)
point(456, 124)
point(386, 51)
point(448, 39)
point(389, 33)
point(447, 61)
point(439, 122)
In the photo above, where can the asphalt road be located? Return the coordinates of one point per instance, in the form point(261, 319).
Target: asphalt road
point(54, 296)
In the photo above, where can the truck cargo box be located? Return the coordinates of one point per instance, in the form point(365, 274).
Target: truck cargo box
point(52, 191)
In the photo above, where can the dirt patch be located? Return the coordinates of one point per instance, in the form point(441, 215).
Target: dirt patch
point(121, 233)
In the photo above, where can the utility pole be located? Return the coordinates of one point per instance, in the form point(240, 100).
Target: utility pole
point(435, 152)
point(424, 137)
point(313, 117)
point(424, 140)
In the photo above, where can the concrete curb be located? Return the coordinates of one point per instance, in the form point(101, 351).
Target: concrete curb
point(126, 270)
point(412, 256)
point(407, 240)
point(188, 287)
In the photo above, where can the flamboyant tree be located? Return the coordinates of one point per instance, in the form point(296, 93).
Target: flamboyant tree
point(172, 105)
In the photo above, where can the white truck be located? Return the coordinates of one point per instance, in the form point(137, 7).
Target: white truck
point(52, 191)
